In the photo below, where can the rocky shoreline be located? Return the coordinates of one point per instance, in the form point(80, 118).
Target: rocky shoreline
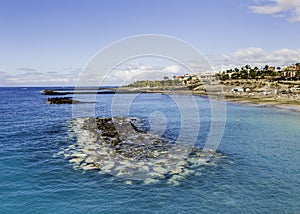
point(122, 148)
point(256, 96)
point(266, 97)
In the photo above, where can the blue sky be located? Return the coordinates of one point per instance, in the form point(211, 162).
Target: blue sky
point(48, 42)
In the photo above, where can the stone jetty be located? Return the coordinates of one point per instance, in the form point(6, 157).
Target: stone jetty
point(52, 92)
point(123, 148)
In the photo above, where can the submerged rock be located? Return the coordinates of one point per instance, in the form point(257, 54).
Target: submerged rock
point(150, 181)
point(128, 182)
point(172, 182)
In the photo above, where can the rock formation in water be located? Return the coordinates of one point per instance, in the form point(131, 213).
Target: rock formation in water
point(118, 146)
point(62, 100)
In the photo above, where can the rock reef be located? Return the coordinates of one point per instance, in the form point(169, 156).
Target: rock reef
point(62, 100)
point(122, 148)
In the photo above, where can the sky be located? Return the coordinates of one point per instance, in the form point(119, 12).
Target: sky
point(50, 42)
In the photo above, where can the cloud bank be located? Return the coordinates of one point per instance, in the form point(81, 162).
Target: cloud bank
point(281, 8)
point(32, 77)
point(132, 71)
point(256, 57)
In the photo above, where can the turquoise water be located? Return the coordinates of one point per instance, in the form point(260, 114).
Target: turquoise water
point(260, 174)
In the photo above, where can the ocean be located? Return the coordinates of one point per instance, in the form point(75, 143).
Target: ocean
point(259, 173)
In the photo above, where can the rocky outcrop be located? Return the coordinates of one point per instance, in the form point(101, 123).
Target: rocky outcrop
point(62, 100)
point(123, 148)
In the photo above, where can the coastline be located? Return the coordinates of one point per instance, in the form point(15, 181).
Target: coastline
point(282, 101)
point(277, 101)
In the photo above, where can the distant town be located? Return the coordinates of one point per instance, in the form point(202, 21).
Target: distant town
point(252, 80)
point(291, 72)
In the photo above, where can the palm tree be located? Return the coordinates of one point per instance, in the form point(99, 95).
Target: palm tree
point(248, 66)
point(266, 68)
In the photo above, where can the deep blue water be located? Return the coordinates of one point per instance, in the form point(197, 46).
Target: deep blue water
point(260, 174)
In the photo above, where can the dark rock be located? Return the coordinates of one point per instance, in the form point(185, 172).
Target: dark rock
point(126, 137)
point(62, 100)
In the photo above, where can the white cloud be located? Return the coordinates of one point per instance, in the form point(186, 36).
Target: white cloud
point(133, 71)
point(140, 68)
point(173, 69)
point(32, 77)
point(255, 57)
point(278, 8)
point(26, 69)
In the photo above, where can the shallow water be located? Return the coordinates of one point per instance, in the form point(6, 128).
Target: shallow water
point(261, 173)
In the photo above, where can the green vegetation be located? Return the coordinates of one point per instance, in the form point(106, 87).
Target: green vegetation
point(154, 83)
